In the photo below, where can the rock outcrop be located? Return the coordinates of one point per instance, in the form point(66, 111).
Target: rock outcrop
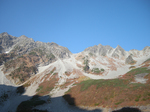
point(23, 45)
point(129, 60)
point(99, 50)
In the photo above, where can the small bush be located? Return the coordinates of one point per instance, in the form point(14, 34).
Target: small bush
point(50, 56)
point(91, 54)
point(96, 104)
point(102, 70)
point(26, 85)
point(86, 62)
point(121, 100)
point(86, 68)
point(144, 99)
point(40, 88)
point(137, 98)
point(55, 73)
point(68, 91)
point(96, 70)
point(33, 53)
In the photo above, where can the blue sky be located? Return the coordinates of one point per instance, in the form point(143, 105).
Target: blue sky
point(78, 24)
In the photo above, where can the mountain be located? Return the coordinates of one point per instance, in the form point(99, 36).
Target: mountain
point(23, 45)
point(98, 76)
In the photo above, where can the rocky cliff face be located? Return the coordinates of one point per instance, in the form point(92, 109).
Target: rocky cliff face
point(6, 42)
point(99, 50)
point(129, 60)
point(23, 45)
point(22, 55)
point(117, 52)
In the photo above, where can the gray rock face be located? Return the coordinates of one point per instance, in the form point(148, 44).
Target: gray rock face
point(23, 45)
point(117, 51)
point(99, 49)
point(6, 41)
point(146, 50)
point(58, 51)
point(109, 48)
point(129, 60)
point(106, 50)
point(115, 55)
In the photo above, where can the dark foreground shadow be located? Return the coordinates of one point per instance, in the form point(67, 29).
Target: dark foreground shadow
point(71, 101)
point(128, 109)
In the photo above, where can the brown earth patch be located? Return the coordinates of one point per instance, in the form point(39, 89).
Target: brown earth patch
point(131, 67)
point(100, 73)
point(82, 78)
point(27, 84)
point(67, 73)
point(76, 71)
point(45, 77)
point(68, 82)
point(46, 86)
point(79, 57)
point(93, 63)
point(102, 63)
point(79, 65)
point(146, 63)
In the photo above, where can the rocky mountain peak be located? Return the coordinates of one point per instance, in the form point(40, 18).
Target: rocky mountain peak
point(118, 52)
point(106, 50)
point(99, 45)
point(119, 47)
point(146, 48)
point(6, 41)
point(52, 44)
point(4, 34)
point(23, 37)
point(23, 45)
